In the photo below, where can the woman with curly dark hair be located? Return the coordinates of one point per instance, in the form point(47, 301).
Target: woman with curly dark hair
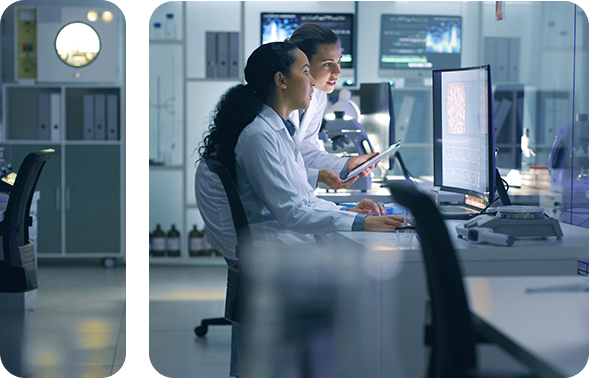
point(251, 134)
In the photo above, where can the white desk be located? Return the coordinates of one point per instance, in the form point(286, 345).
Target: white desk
point(549, 330)
point(521, 196)
point(402, 292)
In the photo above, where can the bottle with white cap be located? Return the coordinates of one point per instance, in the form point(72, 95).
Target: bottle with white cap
point(170, 27)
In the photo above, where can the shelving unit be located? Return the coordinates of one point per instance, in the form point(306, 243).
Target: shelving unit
point(80, 187)
point(181, 98)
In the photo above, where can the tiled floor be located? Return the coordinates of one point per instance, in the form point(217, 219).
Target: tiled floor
point(128, 322)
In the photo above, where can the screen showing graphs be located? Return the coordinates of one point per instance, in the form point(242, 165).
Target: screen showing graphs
point(420, 41)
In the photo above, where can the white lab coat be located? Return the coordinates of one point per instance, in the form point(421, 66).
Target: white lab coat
point(279, 203)
point(215, 211)
point(272, 182)
point(316, 158)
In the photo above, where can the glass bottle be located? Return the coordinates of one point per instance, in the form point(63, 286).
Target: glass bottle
point(194, 242)
point(158, 32)
point(140, 22)
point(170, 27)
point(173, 242)
point(139, 240)
point(207, 249)
point(158, 242)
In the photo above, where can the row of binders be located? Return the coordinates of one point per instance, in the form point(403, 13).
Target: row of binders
point(222, 54)
point(49, 116)
point(101, 116)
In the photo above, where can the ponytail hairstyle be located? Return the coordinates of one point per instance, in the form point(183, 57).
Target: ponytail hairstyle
point(308, 37)
point(241, 104)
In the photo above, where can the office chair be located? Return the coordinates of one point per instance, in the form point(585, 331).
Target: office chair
point(233, 295)
point(453, 334)
point(18, 270)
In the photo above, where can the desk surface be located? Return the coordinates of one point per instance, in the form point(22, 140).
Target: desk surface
point(402, 292)
point(549, 330)
point(378, 193)
point(572, 246)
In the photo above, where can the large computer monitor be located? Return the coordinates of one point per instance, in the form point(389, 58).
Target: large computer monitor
point(412, 45)
point(464, 135)
point(279, 26)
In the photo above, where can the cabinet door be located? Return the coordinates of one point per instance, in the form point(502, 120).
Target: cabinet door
point(50, 201)
point(93, 199)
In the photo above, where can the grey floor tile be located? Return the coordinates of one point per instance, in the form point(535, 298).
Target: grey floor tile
point(202, 370)
point(66, 371)
point(130, 321)
point(182, 315)
point(157, 348)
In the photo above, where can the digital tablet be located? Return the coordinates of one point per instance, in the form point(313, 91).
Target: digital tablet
point(391, 149)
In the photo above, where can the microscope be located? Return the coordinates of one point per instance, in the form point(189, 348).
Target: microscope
point(349, 137)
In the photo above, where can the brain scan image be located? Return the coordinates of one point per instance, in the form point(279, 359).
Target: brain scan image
point(456, 109)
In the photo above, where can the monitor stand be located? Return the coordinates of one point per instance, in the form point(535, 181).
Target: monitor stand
point(503, 196)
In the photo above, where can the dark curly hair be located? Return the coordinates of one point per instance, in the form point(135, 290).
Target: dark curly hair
point(240, 105)
point(308, 37)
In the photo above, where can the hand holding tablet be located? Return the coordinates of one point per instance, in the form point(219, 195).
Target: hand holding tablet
point(391, 149)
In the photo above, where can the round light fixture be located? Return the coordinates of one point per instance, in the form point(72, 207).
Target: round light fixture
point(92, 15)
point(77, 44)
point(107, 17)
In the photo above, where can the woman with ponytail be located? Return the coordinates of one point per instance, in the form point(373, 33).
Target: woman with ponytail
point(250, 133)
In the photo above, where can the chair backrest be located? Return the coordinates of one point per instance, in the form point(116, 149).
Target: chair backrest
point(453, 349)
point(234, 301)
point(19, 268)
point(242, 229)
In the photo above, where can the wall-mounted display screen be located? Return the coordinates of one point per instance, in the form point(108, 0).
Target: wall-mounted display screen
point(279, 26)
point(420, 41)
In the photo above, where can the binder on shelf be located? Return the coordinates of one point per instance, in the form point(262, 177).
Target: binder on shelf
point(55, 116)
point(223, 54)
point(233, 54)
point(99, 116)
point(44, 116)
point(211, 54)
point(88, 109)
point(112, 117)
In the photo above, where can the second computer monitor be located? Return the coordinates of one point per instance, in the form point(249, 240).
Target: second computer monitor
point(464, 137)
point(279, 26)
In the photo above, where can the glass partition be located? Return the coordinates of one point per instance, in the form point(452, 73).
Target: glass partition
point(538, 53)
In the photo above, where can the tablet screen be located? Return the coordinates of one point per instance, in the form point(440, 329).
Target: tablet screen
point(391, 149)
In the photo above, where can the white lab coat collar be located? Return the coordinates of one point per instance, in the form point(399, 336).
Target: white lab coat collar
point(276, 122)
point(295, 116)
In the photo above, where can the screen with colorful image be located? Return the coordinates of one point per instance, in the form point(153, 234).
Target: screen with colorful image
point(464, 136)
point(279, 26)
point(420, 41)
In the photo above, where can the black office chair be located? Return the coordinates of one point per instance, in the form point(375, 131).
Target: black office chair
point(18, 270)
point(453, 334)
point(233, 297)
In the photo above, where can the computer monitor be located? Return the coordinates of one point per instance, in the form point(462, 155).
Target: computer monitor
point(464, 135)
point(413, 45)
point(279, 26)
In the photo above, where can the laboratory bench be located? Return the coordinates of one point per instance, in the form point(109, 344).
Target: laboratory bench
point(401, 293)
